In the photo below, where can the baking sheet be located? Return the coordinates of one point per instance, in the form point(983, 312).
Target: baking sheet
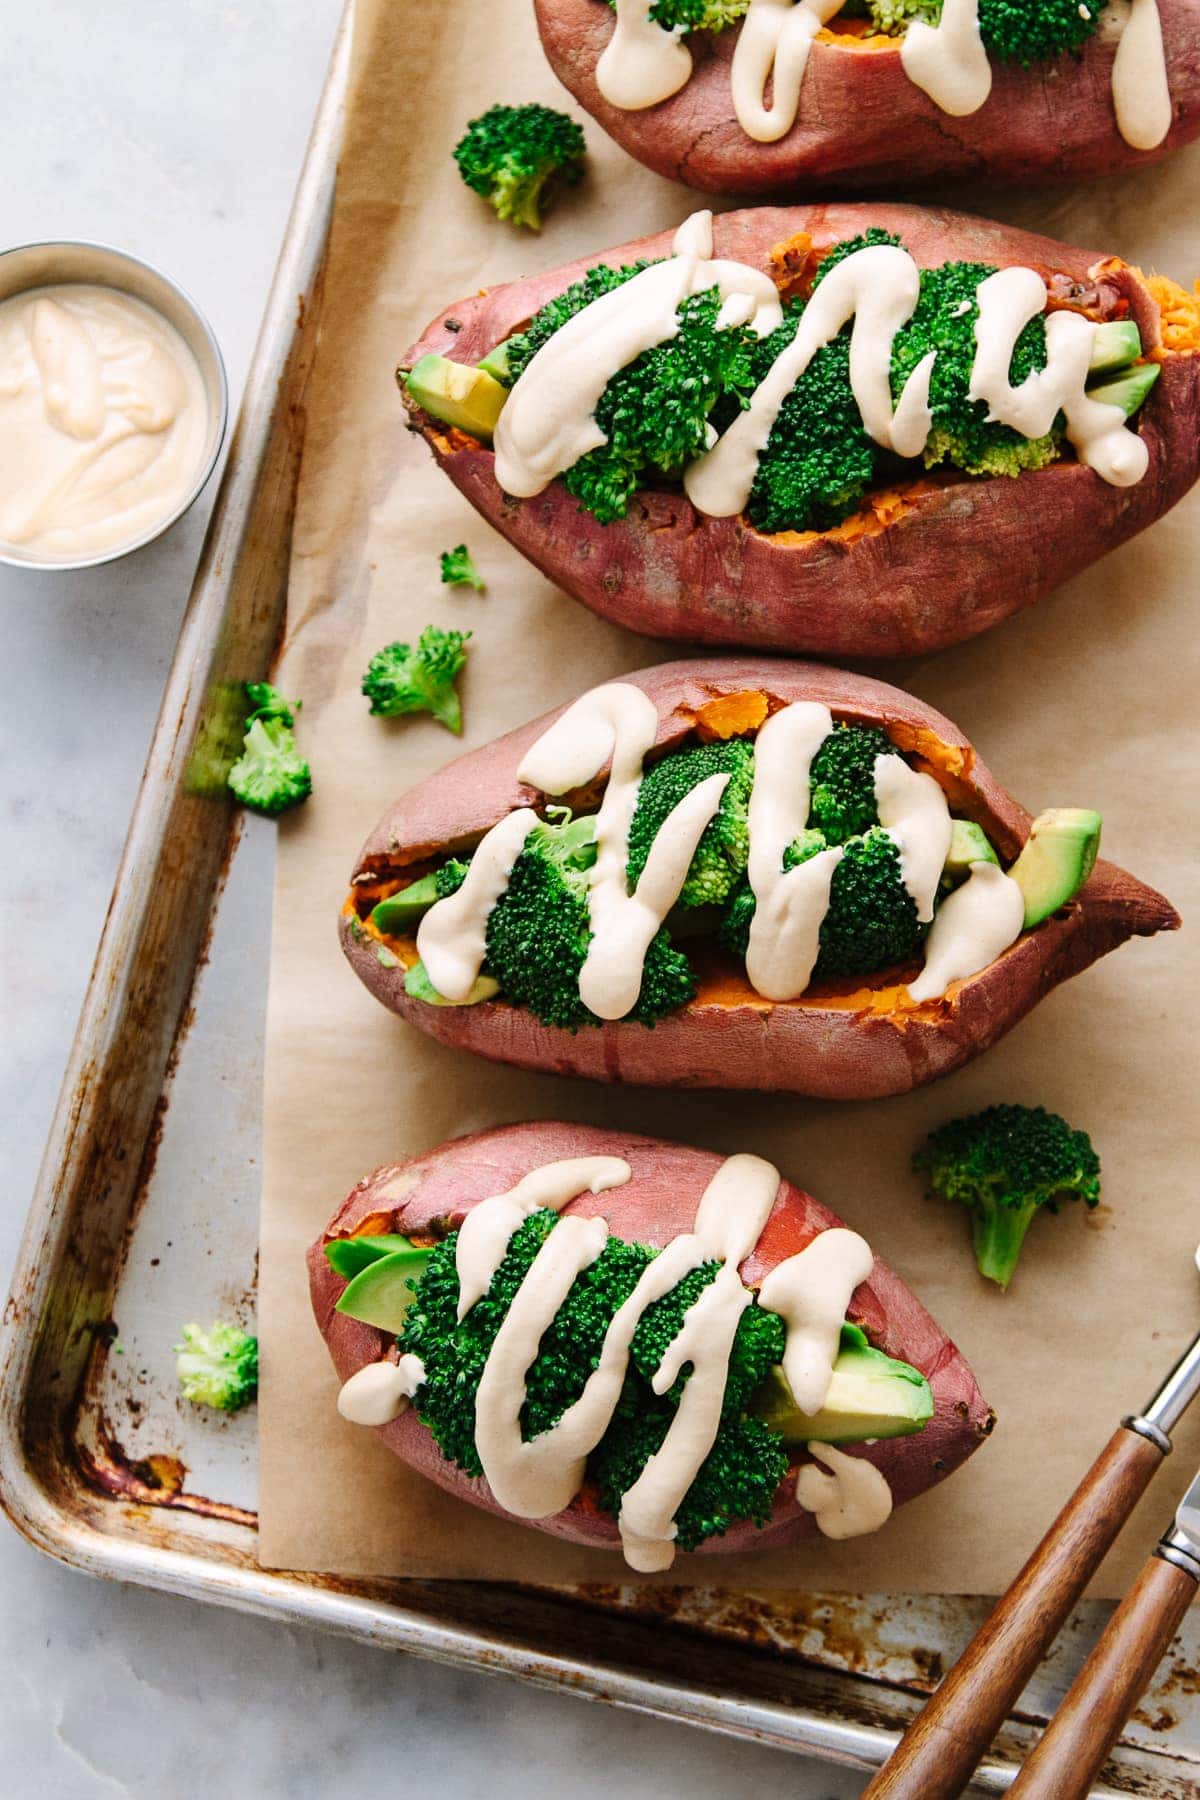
point(1087, 700)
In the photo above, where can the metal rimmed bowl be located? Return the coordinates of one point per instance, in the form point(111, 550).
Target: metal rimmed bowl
point(66, 263)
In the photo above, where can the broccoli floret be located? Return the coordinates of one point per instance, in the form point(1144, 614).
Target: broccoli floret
point(400, 679)
point(944, 321)
point(872, 918)
point(266, 702)
point(450, 877)
point(538, 934)
point(722, 852)
point(521, 349)
point(218, 1367)
point(734, 929)
point(1006, 1164)
point(818, 461)
point(742, 1472)
point(696, 15)
point(1012, 30)
point(270, 775)
point(515, 155)
point(458, 569)
point(842, 781)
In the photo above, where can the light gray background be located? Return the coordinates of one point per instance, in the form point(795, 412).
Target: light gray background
point(175, 128)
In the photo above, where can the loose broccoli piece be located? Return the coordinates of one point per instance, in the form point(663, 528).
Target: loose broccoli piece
point(722, 852)
point(400, 679)
point(734, 929)
point(458, 569)
point(266, 702)
point(270, 775)
point(962, 433)
point(516, 155)
point(538, 934)
point(743, 1470)
point(1006, 1164)
point(872, 921)
point(218, 1367)
point(842, 781)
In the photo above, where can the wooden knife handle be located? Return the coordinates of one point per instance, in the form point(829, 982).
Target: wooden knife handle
point(1079, 1737)
point(938, 1753)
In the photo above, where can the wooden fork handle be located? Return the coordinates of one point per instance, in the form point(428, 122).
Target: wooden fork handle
point(1079, 1737)
point(937, 1755)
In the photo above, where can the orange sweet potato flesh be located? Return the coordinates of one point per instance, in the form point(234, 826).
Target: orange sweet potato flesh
point(838, 1041)
point(659, 1202)
point(863, 125)
point(945, 558)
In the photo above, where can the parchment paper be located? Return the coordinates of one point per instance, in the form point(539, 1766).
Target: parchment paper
point(1086, 700)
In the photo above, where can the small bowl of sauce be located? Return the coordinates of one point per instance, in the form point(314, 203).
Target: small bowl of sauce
point(113, 404)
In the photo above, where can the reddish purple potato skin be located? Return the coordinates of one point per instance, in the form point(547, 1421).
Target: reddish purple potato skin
point(803, 1047)
point(658, 1203)
point(963, 557)
point(863, 125)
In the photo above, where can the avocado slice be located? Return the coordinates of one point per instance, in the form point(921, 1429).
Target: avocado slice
point(495, 363)
point(968, 844)
point(870, 1396)
point(380, 1294)
point(457, 394)
point(418, 986)
point(1114, 344)
point(396, 915)
point(350, 1256)
point(1128, 388)
point(1057, 859)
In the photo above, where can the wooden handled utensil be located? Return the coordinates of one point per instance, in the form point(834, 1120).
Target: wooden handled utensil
point(1079, 1737)
point(937, 1755)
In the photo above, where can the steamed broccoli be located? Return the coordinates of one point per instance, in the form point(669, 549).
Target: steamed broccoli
point(842, 781)
point(1012, 30)
point(519, 351)
point(458, 569)
point(872, 922)
point(400, 679)
point(723, 851)
point(696, 15)
point(218, 1367)
point(515, 156)
point(538, 934)
point(746, 1464)
point(819, 460)
point(734, 930)
point(1007, 1163)
point(270, 775)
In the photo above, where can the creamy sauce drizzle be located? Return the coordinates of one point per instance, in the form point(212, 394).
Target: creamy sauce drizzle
point(811, 1293)
point(103, 420)
point(617, 724)
point(484, 1233)
point(974, 924)
point(849, 1496)
point(548, 420)
point(380, 1392)
point(643, 64)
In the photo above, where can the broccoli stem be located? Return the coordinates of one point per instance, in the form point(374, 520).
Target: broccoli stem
point(999, 1232)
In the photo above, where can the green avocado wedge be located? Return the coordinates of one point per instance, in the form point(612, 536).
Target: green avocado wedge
point(350, 1256)
point(1059, 855)
point(382, 1292)
point(968, 844)
point(870, 1396)
point(457, 393)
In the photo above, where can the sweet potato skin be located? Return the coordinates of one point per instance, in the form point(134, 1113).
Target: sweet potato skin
point(864, 125)
point(658, 1203)
point(963, 554)
point(850, 1047)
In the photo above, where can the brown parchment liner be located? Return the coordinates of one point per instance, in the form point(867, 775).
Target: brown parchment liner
point(1087, 700)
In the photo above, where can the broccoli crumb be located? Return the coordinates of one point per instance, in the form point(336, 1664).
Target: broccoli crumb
point(458, 569)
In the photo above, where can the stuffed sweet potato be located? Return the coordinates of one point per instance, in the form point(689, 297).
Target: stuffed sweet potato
point(1045, 109)
point(492, 1331)
point(801, 879)
point(867, 507)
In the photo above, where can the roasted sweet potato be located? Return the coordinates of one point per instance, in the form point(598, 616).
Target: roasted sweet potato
point(863, 124)
point(925, 564)
point(434, 1192)
point(841, 1040)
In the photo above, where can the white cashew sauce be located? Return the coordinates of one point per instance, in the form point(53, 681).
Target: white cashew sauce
point(617, 724)
point(534, 1479)
point(103, 420)
point(549, 419)
point(645, 63)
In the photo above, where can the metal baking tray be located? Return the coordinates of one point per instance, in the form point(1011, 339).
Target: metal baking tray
point(145, 1211)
